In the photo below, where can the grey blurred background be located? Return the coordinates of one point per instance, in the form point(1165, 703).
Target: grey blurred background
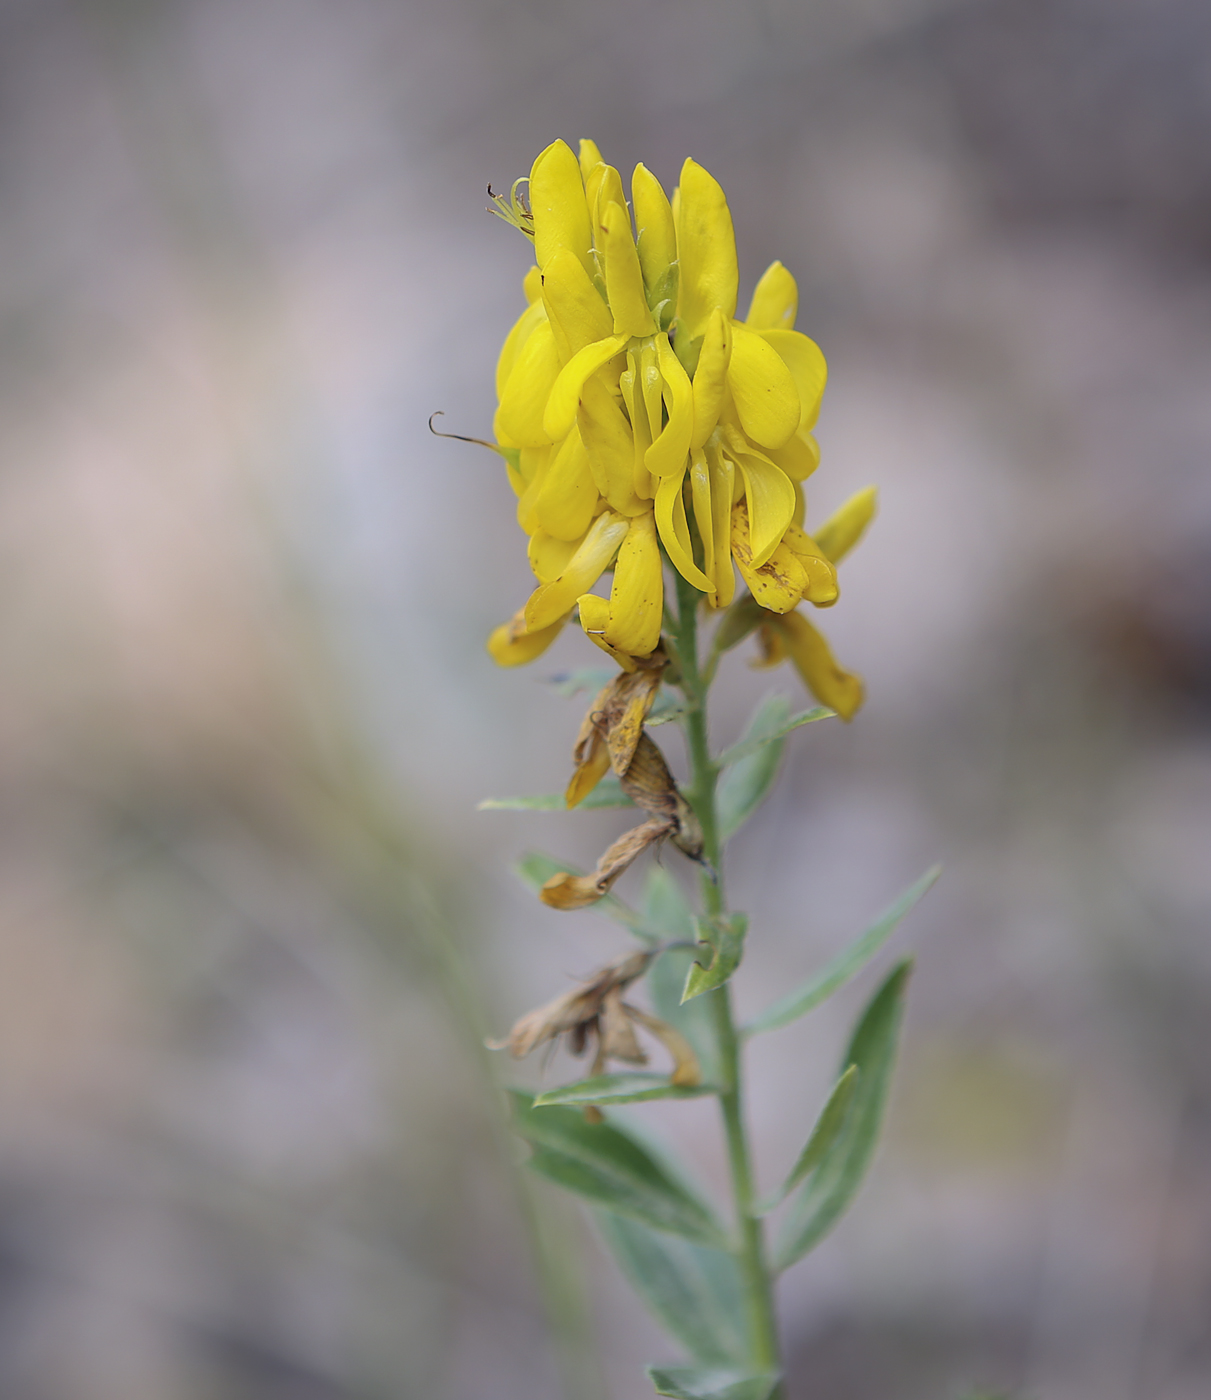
point(251, 926)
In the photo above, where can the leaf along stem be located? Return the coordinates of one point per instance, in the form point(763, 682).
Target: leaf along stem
point(704, 773)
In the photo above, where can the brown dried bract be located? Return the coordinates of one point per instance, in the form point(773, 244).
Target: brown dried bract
point(565, 891)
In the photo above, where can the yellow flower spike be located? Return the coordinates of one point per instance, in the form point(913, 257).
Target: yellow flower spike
point(821, 588)
point(568, 496)
point(511, 644)
point(775, 301)
point(589, 157)
point(778, 584)
point(669, 451)
point(525, 397)
point(564, 397)
point(813, 659)
point(586, 566)
point(842, 530)
point(675, 531)
point(557, 201)
point(808, 368)
point(594, 619)
point(637, 596)
point(723, 481)
point(522, 329)
point(610, 444)
point(548, 556)
point(700, 494)
point(710, 378)
point(624, 279)
point(706, 245)
point(657, 244)
point(763, 388)
point(574, 306)
point(798, 457)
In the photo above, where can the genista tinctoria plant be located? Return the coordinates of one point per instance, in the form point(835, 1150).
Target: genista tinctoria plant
point(654, 437)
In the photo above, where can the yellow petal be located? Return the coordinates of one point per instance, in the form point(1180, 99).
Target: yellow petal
point(637, 597)
point(821, 586)
point(763, 388)
point(568, 496)
point(589, 157)
point(578, 315)
point(532, 284)
point(675, 531)
point(841, 531)
point(524, 399)
point(610, 444)
point(548, 556)
point(602, 186)
point(700, 494)
point(561, 215)
point(723, 477)
point(813, 659)
point(805, 360)
point(564, 397)
point(775, 301)
point(706, 245)
point(657, 243)
point(624, 280)
point(594, 619)
point(710, 378)
point(668, 452)
point(553, 600)
point(641, 437)
point(778, 583)
point(517, 337)
point(512, 645)
point(771, 499)
point(533, 462)
point(798, 456)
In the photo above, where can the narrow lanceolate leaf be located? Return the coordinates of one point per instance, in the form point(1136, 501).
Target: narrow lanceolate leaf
point(749, 746)
point(536, 869)
point(829, 1126)
point(607, 793)
point(720, 948)
point(747, 780)
point(834, 1183)
point(603, 1163)
point(667, 913)
point(631, 1087)
point(695, 1383)
point(847, 963)
point(695, 1293)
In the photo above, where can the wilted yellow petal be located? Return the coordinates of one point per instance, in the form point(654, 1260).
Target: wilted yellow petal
point(763, 388)
point(779, 583)
point(517, 337)
point(568, 496)
point(675, 532)
point(805, 360)
point(564, 397)
point(577, 313)
point(814, 661)
point(770, 494)
point(512, 645)
point(706, 245)
point(589, 157)
point(686, 1069)
point(565, 891)
point(637, 596)
point(589, 772)
point(548, 556)
point(524, 399)
point(557, 200)
point(624, 711)
point(657, 243)
point(775, 301)
point(668, 452)
point(585, 567)
point(842, 530)
point(710, 378)
point(624, 280)
point(594, 619)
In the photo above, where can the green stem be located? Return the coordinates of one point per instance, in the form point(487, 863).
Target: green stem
point(750, 1241)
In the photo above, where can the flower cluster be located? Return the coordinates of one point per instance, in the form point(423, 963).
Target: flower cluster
point(640, 419)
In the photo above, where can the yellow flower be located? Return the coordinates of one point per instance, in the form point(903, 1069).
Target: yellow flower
point(640, 419)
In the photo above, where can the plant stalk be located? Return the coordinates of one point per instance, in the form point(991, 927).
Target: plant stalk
point(704, 773)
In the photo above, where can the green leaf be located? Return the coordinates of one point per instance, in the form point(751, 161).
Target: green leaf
point(607, 793)
point(570, 683)
point(747, 780)
point(847, 963)
point(724, 935)
point(605, 1164)
point(668, 914)
point(751, 746)
point(631, 1087)
point(829, 1125)
point(833, 1185)
point(535, 869)
point(695, 1383)
point(694, 1292)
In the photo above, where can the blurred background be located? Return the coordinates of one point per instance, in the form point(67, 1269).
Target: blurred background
point(252, 927)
